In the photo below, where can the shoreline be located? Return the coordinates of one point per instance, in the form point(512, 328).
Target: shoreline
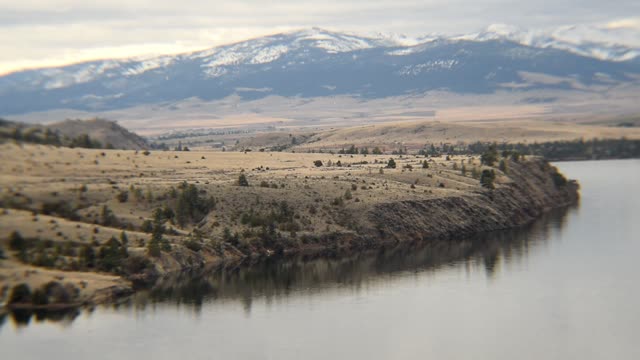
point(528, 190)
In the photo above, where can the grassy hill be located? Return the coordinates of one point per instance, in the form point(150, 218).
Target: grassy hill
point(94, 133)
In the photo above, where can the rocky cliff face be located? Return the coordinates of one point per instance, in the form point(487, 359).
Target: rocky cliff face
point(535, 187)
point(531, 188)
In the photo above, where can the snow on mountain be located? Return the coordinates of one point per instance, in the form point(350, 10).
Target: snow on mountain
point(144, 65)
point(318, 62)
point(595, 42)
point(608, 45)
point(271, 48)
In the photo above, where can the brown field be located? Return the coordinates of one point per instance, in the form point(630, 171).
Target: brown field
point(415, 135)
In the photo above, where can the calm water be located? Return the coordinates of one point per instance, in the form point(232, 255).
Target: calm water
point(564, 288)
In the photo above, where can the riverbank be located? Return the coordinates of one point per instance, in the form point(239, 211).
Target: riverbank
point(121, 219)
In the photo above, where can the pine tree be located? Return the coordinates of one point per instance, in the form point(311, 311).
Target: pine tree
point(503, 166)
point(487, 178)
point(490, 156)
point(391, 164)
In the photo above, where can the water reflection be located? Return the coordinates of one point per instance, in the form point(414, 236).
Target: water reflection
point(275, 278)
point(24, 317)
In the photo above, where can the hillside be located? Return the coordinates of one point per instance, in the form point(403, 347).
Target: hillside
point(139, 215)
point(417, 135)
point(94, 133)
point(104, 131)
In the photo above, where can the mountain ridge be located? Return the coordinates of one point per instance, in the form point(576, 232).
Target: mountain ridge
point(313, 62)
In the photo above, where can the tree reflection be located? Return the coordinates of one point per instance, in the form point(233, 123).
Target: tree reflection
point(24, 317)
point(275, 278)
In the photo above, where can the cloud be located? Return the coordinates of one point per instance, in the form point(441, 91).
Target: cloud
point(629, 23)
point(53, 32)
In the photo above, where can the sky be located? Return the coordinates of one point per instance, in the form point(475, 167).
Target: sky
point(39, 33)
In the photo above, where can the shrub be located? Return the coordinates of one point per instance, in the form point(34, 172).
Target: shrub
point(191, 206)
point(474, 173)
point(111, 255)
point(317, 163)
point(61, 208)
point(88, 256)
point(17, 242)
point(57, 293)
point(503, 166)
point(124, 239)
point(39, 297)
point(108, 218)
point(135, 264)
point(193, 245)
point(264, 184)
point(391, 164)
point(20, 294)
point(158, 243)
point(558, 179)
point(123, 196)
point(347, 195)
point(490, 156)
point(242, 180)
point(147, 226)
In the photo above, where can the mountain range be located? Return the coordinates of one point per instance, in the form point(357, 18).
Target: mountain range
point(321, 63)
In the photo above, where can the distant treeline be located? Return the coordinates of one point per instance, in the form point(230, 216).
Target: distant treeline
point(46, 136)
point(594, 149)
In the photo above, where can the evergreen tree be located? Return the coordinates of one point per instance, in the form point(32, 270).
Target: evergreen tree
point(490, 156)
point(391, 164)
point(242, 180)
point(503, 166)
point(487, 178)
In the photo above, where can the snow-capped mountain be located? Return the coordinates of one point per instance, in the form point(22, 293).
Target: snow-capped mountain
point(599, 43)
point(317, 62)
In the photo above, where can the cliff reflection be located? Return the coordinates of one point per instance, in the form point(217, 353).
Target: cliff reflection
point(277, 277)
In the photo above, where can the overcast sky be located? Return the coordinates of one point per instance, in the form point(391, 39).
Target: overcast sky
point(53, 32)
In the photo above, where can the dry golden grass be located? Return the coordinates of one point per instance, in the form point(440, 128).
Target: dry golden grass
point(88, 179)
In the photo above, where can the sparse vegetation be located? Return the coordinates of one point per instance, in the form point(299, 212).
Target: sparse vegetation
point(78, 224)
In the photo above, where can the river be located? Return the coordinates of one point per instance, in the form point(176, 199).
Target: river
point(565, 287)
